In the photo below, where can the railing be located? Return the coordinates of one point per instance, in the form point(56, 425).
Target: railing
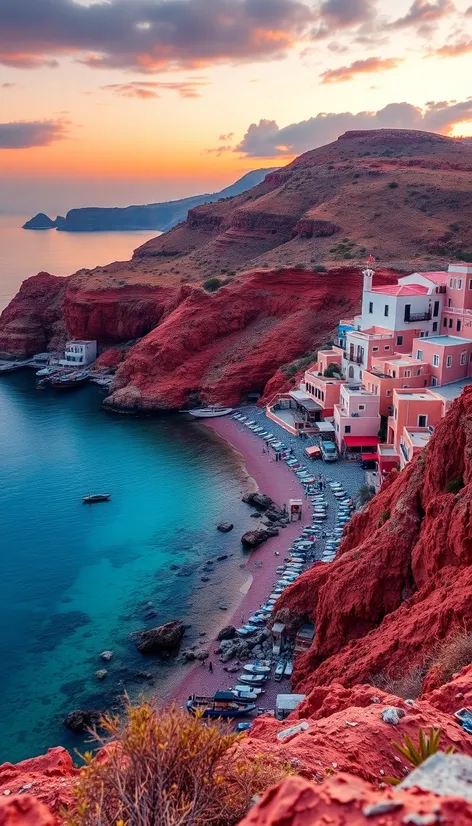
point(404, 451)
point(354, 359)
point(419, 317)
point(455, 311)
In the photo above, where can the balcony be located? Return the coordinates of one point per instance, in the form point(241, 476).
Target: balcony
point(354, 359)
point(418, 317)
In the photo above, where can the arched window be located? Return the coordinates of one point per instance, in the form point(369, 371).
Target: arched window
point(351, 372)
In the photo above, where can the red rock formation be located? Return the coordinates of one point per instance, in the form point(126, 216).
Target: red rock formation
point(33, 320)
point(346, 800)
point(48, 778)
point(25, 811)
point(219, 347)
point(403, 580)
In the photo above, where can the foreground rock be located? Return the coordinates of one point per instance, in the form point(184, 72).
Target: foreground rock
point(252, 539)
point(227, 633)
point(164, 639)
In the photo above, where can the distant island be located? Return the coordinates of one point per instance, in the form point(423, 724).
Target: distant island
point(147, 216)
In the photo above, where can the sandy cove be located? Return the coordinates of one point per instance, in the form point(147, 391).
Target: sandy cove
point(277, 481)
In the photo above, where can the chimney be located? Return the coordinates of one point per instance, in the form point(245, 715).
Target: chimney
point(368, 278)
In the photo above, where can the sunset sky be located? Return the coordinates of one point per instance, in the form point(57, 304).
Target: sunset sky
point(110, 103)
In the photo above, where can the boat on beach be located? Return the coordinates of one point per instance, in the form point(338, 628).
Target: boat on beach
point(257, 669)
point(92, 498)
point(222, 704)
point(70, 381)
point(209, 412)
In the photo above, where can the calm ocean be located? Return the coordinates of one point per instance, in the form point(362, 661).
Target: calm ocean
point(75, 579)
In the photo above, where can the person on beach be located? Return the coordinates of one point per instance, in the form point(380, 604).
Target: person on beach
point(210, 667)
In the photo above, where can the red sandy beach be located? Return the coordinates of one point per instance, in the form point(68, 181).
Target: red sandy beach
point(277, 481)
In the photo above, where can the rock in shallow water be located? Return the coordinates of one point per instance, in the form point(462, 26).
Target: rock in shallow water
point(81, 720)
point(225, 527)
point(165, 638)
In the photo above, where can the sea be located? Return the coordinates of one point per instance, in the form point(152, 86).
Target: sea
point(76, 580)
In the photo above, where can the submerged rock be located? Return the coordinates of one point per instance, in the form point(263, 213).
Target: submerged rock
point(225, 527)
point(101, 674)
point(106, 655)
point(81, 720)
point(165, 638)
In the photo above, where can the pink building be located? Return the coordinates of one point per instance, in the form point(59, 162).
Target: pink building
point(449, 357)
point(322, 389)
point(400, 371)
point(413, 409)
point(357, 415)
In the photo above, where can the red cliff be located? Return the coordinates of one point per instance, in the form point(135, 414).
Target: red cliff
point(403, 579)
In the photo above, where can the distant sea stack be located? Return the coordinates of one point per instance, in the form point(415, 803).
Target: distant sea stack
point(42, 221)
point(161, 217)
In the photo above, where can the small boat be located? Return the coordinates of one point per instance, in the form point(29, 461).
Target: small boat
point(288, 668)
point(209, 412)
point(245, 630)
point(46, 371)
point(247, 692)
point(92, 498)
point(279, 670)
point(69, 381)
point(257, 669)
point(222, 704)
point(253, 679)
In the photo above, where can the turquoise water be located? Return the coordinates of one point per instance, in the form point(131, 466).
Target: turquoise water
point(75, 579)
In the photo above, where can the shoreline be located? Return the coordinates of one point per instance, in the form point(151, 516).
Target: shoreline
point(280, 486)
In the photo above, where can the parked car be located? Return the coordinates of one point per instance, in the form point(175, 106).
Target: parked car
point(329, 452)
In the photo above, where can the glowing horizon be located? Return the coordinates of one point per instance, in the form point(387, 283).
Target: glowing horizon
point(195, 93)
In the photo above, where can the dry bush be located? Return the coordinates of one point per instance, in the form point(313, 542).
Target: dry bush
point(167, 768)
point(408, 685)
point(453, 654)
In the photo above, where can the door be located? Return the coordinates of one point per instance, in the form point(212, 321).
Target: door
point(407, 312)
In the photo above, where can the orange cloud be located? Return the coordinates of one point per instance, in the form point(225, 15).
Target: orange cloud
point(456, 49)
point(360, 67)
point(150, 89)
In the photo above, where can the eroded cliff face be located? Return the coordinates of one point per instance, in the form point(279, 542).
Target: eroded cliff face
point(34, 320)
point(403, 579)
point(217, 348)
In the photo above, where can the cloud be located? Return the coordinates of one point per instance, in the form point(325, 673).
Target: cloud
point(218, 150)
point(228, 137)
point(424, 12)
point(146, 90)
point(26, 134)
point(360, 67)
point(150, 35)
point(8, 85)
point(455, 49)
point(267, 140)
point(345, 13)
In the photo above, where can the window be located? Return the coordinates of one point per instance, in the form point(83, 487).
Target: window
point(436, 309)
point(422, 334)
point(394, 374)
point(347, 429)
point(375, 349)
point(450, 283)
point(418, 372)
point(445, 322)
point(389, 392)
point(387, 347)
point(422, 421)
point(419, 355)
point(459, 325)
point(449, 302)
point(435, 361)
point(399, 340)
point(463, 357)
point(449, 361)
point(435, 326)
point(470, 283)
point(407, 374)
point(406, 316)
point(386, 308)
point(459, 284)
point(371, 306)
point(362, 407)
point(450, 322)
point(434, 381)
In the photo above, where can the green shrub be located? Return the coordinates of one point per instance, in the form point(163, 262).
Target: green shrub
point(211, 285)
point(332, 370)
point(454, 486)
point(384, 517)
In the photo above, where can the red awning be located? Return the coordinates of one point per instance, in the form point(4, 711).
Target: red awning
point(361, 441)
point(369, 457)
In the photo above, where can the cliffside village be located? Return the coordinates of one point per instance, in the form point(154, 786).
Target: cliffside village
point(394, 372)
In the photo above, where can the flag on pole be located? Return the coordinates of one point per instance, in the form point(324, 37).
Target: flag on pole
point(371, 259)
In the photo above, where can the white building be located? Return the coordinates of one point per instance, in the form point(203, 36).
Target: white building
point(79, 353)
